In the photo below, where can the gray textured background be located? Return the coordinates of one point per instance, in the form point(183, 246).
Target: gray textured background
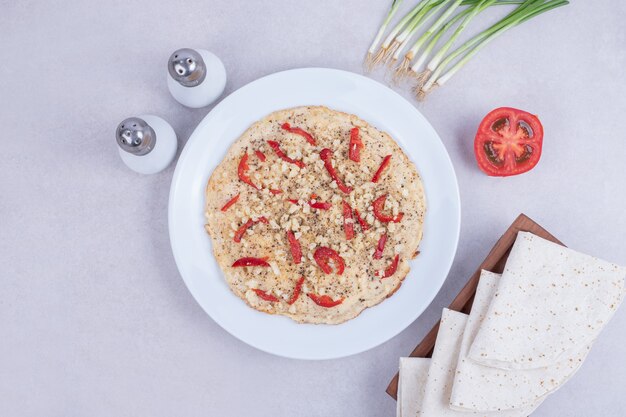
point(94, 318)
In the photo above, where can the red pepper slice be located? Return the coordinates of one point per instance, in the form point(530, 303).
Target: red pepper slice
point(320, 205)
point(391, 269)
point(348, 221)
point(248, 261)
point(294, 246)
point(356, 144)
point(324, 300)
point(230, 202)
point(265, 296)
point(292, 201)
point(296, 291)
point(276, 191)
point(363, 223)
point(282, 155)
point(381, 246)
point(323, 256)
point(242, 171)
point(298, 131)
point(379, 206)
point(242, 229)
point(326, 155)
point(260, 155)
point(382, 167)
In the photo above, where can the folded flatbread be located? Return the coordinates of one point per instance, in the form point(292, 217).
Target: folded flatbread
point(436, 401)
point(551, 302)
point(478, 387)
point(411, 383)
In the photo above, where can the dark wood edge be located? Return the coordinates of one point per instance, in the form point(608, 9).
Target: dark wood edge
point(494, 262)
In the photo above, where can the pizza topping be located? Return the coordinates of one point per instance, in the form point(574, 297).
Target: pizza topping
point(282, 155)
point(265, 296)
point(327, 155)
point(324, 300)
point(314, 204)
point(230, 202)
point(242, 230)
point(381, 246)
point(249, 261)
point(362, 222)
point(382, 167)
point(325, 256)
point(260, 155)
point(356, 144)
point(242, 171)
point(348, 221)
point(298, 131)
point(391, 269)
point(294, 246)
point(296, 291)
point(379, 206)
point(276, 191)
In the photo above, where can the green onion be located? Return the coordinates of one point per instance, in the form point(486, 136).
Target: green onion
point(527, 10)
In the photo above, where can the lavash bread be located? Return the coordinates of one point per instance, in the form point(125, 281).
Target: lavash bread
point(436, 402)
point(411, 385)
point(477, 387)
point(358, 285)
point(551, 303)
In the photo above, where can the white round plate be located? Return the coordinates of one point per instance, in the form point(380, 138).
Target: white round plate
point(338, 90)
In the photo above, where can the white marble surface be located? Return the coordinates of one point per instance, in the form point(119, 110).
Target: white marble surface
point(94, 318)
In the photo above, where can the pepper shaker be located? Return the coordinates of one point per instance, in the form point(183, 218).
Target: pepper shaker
point(195, 77)
point(147, 144)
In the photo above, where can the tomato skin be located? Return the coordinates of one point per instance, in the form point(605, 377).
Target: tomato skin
point(324, 300)
point(504, 149)
point(362, 222)
point(323, 255)
point(260, 155)
point(348, 221)
point(381, 246)
point(242, 171)
point(242, 229)
point(294, 247)
point(326, 155)
point(391, 269)
point(296, 291)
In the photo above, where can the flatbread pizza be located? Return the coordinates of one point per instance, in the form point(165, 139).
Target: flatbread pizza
point(314, 214)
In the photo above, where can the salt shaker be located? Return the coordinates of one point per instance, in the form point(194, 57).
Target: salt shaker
point(147, 144)
point(195, 77)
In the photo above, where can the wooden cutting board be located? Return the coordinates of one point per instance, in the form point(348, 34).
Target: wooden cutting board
point(494, 262)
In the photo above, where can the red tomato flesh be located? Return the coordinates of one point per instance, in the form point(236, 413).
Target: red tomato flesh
point(508, 142)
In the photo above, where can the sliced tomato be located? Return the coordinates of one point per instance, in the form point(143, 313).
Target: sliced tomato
point(325, 256)
point(381, 246)
point(242, 229)
point(348, 221)
point(362, 222)
point(309, 138)
point(327, 156)
point(282, 155)
point(296, 291)
point(248, 261)
point(379, 206)
point(391, 269)
point(230, 202)
point(324, 300)
point(265, 296)
point(508, 142)
point(260, 155)
point(242, 171)
point(356, 144)
point(294, 246)
point(381, 168)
